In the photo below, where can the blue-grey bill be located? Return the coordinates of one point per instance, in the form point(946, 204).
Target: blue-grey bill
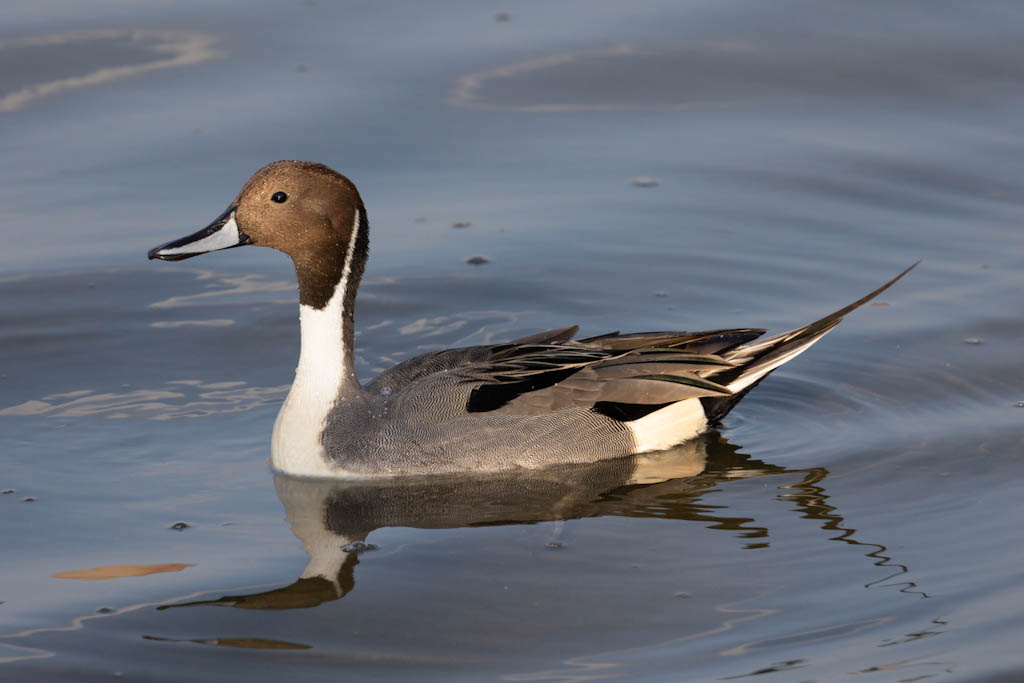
point(222, 233)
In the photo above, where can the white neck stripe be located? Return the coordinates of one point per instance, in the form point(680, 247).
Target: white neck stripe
point(323, 368)
point(349, 254)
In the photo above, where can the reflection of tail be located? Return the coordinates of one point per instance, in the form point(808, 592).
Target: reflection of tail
point(812, 500)
point(756, 361)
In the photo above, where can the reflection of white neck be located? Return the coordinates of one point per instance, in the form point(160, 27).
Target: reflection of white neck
point(324, 369)
point(305, 509)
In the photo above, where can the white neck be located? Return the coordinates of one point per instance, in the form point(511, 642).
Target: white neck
point(325, 368)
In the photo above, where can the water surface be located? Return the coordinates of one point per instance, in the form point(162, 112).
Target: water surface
point(855, 518)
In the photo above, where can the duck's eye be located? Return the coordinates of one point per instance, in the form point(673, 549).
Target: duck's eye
point(279, 197)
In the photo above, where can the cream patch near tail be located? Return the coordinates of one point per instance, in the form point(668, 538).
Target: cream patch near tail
point(668, 426)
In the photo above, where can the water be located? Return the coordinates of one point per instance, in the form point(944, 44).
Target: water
point(856, 517)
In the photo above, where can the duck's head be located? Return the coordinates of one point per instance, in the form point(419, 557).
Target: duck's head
point(307, 210)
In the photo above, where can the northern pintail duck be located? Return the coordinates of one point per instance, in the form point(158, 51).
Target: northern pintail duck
point(527, 403)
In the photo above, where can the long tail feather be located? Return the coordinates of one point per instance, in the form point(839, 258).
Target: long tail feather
point(757, 360)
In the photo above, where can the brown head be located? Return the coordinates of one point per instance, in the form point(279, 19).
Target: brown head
point(307, 210)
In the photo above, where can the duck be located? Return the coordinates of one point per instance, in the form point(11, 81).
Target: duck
point(541, 400)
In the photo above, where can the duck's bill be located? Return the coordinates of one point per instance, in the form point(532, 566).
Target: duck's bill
point(223, 233)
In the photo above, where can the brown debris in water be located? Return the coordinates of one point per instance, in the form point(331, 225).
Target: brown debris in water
point(249, 643)
point(119, 571)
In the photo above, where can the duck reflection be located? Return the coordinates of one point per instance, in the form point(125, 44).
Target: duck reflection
point(334, 518)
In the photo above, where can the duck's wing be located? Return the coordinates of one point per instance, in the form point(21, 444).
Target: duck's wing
point(619, 375)
point(419, 367)
point(628, 376)
point(622, 375)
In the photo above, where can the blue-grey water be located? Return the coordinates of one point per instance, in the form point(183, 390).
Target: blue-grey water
point(857, 518)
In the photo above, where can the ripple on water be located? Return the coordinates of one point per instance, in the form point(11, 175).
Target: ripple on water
point(181, 399)
point(41, 66)
point(745, 70)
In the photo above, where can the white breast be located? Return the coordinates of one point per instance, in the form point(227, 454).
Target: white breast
point(296, 447)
